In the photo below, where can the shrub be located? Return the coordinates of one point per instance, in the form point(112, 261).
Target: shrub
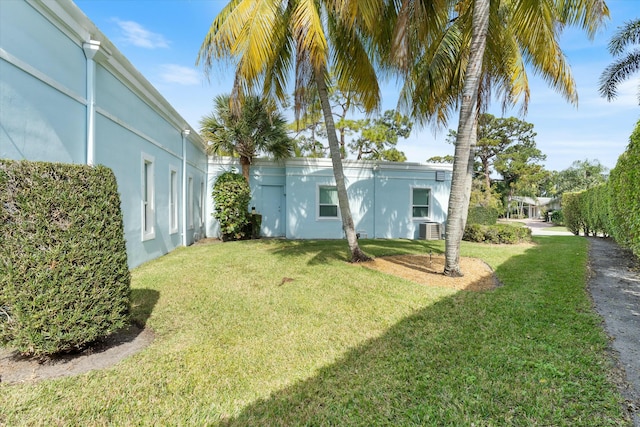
point(498, 233)
point(571, 211)
point(482, 215)
point(64, 279)
point(624, 192)
point(231, 196)
point(557, 217)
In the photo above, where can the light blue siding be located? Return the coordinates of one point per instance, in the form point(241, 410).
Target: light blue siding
point(37, 121)
point(380, 197)
point(44, 115)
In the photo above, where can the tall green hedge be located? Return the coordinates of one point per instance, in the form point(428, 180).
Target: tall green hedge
point(612, 208)
point(624, 191)
point(64, 279)
point(571, 212)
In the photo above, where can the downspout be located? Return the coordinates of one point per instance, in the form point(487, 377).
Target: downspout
point(185, 133)
point(375, 170)
point(90, 49)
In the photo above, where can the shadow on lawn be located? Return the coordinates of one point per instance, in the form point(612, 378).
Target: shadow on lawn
point(142, 303)
point(323, 251)
point(484, 358)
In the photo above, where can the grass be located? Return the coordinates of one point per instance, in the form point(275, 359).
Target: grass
point(343, 345)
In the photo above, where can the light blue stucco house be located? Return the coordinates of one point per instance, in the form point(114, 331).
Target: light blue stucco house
point(297, 198)
point(68, 95)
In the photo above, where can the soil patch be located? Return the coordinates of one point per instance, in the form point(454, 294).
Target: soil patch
point(428, 270)
point(15, 368)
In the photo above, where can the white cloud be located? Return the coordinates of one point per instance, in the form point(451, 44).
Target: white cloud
point(135, 34)
point(172, 73)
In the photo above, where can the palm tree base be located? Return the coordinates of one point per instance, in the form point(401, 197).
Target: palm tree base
point(453, 272)
point(358, 256)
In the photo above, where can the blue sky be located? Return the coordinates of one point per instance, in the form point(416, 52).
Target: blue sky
point(161, 38)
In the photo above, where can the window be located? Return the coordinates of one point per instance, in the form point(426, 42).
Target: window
point(420, 198)
point(202, 203)
point(148, 198)
point(190, 201)
point(327, 202)
point(173, 200)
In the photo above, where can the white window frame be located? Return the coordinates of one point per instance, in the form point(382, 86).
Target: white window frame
point(174, 201)
point(147, 199)
point(318, 205)
point(429, 206)
point(202, 202)
point(190, 202)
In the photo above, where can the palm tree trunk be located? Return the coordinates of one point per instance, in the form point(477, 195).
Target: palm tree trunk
point(334, 148)
point(468, 181)
point(459, 196)
point(245, 163)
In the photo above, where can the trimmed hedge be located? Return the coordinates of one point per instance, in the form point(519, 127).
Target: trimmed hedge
point(612, 208)
point(571, 211)
point(624, 195)
point(64, 279)
point(498, 233)
point(482, 215)
point(231, 196)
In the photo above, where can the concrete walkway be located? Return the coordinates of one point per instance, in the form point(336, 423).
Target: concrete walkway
point(540, 228)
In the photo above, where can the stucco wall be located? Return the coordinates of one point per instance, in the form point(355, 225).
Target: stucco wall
point(379, 194)
point(45, 104)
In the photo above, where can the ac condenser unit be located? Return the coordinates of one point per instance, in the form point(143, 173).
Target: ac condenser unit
point(429, 231)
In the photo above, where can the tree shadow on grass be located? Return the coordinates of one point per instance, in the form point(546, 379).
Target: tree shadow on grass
point(498, 358)
point(323, 251)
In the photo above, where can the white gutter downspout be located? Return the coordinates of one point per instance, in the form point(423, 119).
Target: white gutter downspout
point(185, 133)
point(90, 49)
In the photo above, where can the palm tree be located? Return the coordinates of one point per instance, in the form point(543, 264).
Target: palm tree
point(257, 129)
point(458, 54)
point(270, 39)
point(623, 67)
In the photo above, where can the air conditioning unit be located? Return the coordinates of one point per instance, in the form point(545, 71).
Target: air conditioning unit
point(429, 231)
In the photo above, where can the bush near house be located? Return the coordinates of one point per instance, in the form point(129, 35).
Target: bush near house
point(231, 196)
point(498, 233)
point(557, 217)
point(64, 279)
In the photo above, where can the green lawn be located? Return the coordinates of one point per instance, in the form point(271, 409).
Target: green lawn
point(343, 345)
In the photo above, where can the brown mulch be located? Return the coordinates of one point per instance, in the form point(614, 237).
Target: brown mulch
point(428, 270)
point(107, 352)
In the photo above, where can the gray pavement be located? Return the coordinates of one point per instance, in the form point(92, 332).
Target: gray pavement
point(614, 285)
point(615, 288)
point(540, 228)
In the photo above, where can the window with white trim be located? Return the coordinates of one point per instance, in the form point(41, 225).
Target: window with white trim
point(190, 201)
point(327, 201)
point(148, 198)
point(173, 200)
point(202, 203)
point(420, 202)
